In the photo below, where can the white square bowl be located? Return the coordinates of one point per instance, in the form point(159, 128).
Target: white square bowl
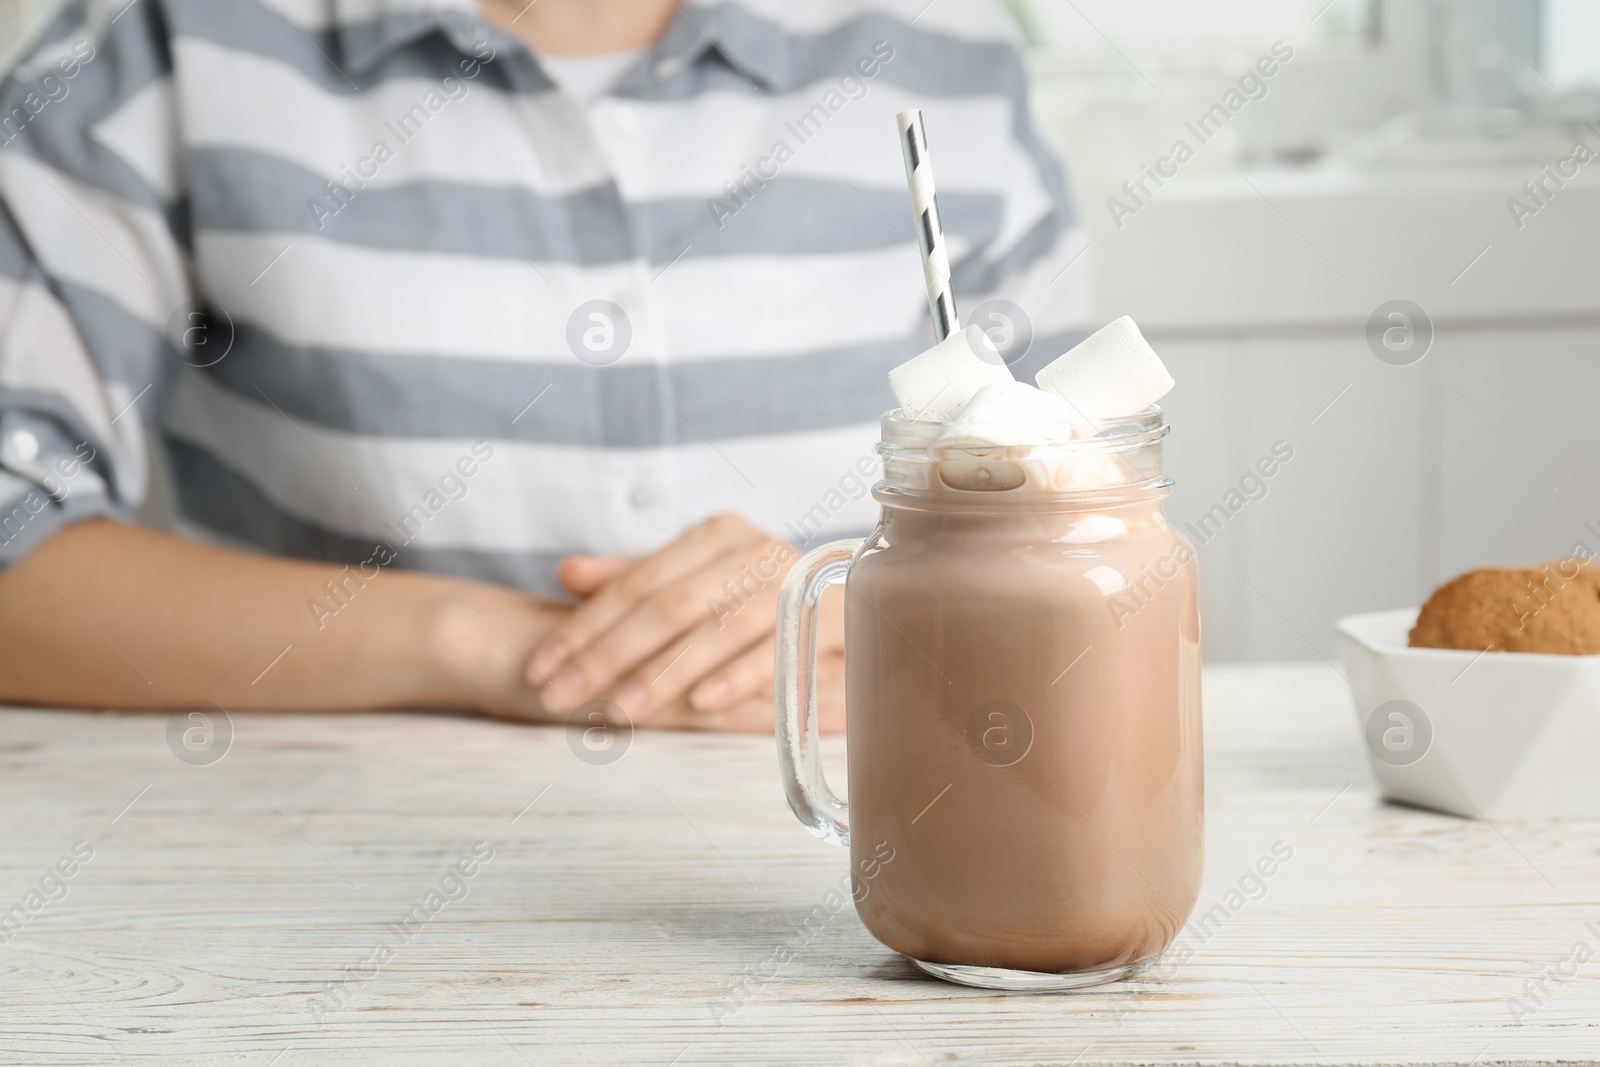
point(1493, 735)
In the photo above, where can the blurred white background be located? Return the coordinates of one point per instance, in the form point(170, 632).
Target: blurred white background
point(1378, 163)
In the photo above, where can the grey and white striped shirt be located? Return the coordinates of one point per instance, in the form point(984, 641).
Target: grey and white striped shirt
point(373, 278)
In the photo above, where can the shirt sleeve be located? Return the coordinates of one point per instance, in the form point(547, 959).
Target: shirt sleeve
point(93, 267)
point(1028, 289)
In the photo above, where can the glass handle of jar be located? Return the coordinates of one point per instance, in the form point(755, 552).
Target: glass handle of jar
point(795, 691)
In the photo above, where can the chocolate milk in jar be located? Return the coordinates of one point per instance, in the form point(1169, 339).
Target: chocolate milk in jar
point(1023, 706)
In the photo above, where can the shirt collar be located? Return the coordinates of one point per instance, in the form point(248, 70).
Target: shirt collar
point(756, 49)
point(369, 30)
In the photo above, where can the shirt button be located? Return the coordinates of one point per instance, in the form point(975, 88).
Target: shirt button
point(624, 120)
point(24, 444)
point(642, 495)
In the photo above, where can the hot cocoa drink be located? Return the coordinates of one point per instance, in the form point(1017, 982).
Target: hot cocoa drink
point(1022, 657)
point(1024, 728)
point(1022, 661)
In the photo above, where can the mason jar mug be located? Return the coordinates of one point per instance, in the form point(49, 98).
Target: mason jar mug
point(1022, 660)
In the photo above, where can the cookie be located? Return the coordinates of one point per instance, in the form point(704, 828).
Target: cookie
point(1554, 608)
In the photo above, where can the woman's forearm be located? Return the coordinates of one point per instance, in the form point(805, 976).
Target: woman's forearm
point(113, 616)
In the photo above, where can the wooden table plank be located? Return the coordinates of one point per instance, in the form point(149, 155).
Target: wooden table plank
point(632, 913)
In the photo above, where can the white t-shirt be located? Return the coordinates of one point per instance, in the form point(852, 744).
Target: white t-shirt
point(587, 78)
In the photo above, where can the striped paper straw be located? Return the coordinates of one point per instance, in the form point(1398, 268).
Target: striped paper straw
point(930, 231)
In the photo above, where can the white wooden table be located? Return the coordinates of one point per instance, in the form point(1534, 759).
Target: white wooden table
point(239, 912)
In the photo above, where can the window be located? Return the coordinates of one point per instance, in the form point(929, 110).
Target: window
point(1570, 43)
point(1388, 82)
point(1155, 23)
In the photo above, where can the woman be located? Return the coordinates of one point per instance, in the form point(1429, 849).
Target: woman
point(502, 354)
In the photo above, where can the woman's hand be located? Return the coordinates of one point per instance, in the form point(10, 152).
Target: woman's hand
point(175, 620)
point(683, 637)
point(481, 635)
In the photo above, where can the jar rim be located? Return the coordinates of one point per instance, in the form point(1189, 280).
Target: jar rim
point(904, 437)
point(1039, 464)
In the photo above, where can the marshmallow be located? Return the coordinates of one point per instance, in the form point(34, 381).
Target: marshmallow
point(1089, 472)
point(1061, 474)
point(936, 385)
point(987, 475)
point(999, 417)
point(1112, 373)
point(1011, 413)
point(990, 446)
